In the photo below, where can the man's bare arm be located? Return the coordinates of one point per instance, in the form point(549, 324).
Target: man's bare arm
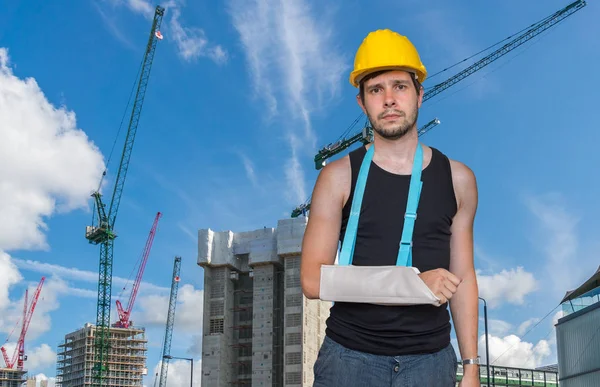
point(321, 236)
point(464, 303)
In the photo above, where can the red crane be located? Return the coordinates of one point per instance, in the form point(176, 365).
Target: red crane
point(124, 314)
point(19, 354)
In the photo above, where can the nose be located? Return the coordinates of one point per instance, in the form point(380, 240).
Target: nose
point(389, 101)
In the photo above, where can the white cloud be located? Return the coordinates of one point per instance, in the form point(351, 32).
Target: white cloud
point(47, 164)
point(294, 66)
point(510, 286)
point(511, 351)
point(152, 310)
point(557, 237)
point(498, 327)
point(191, 42)
point(38, 357)
point(195, 348)
point(75, 274)
point(40, 377)
point(179, 373)
point(9, 277)
point(525, 325)
point(11, 316)
point(249, 167)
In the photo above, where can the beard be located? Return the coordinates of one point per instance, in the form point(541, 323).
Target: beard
point(396, 130)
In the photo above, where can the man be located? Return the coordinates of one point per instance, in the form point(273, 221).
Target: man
point(381, 345)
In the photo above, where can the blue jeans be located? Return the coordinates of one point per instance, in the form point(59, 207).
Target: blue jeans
point(337, 365)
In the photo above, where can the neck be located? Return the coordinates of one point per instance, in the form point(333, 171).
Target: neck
point(398, 150)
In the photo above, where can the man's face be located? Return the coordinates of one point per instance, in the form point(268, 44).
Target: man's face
point(391, 103)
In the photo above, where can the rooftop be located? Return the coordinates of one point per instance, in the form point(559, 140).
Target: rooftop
point(585, 295)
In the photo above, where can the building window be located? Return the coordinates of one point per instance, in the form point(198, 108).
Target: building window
point(216, 325)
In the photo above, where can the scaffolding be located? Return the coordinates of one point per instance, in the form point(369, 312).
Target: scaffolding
point(12, 377)
point(126, 360)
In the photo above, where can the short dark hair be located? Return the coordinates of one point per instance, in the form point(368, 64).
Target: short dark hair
point(374, 74)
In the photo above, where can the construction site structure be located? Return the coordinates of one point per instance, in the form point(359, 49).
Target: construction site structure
point(258, 328)
point(126, 357)
point(12, 377)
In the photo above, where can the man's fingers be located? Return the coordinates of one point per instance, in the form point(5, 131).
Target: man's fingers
point(450, 286)
point(454, 279)
point(446, 293)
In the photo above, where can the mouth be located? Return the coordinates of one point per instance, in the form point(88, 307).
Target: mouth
point(391, 115)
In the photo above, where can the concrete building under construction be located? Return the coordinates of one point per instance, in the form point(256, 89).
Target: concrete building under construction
point(126, 361)
point(258, 328)
point(12, 377)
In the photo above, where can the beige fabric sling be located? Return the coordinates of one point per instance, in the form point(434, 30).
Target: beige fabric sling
point(383, 285)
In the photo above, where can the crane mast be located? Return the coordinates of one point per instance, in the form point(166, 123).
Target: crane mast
point(164, 366)
point(125, 314)
point(103, 234)
point(530, 33)
point(19, 357)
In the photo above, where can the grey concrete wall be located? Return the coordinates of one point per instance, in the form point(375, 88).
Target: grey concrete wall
point(217, 340)
point(578, 348)
point(287, 329)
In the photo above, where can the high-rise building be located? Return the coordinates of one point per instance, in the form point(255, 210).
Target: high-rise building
point(126, 359)
point(12, 377)
point(31, 382)
point(258, 328)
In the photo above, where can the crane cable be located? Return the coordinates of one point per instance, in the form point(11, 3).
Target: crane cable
point(117, 136)
point(490, 47)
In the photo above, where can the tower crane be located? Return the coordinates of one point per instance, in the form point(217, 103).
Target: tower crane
point(19, 357)
point(164, 366)
point(103, 234)
point(125, 314)
point(531, 32)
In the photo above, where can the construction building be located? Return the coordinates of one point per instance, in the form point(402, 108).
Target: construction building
point(258, 328)
point(578, 335)
point(12, 377)
point(126, 359)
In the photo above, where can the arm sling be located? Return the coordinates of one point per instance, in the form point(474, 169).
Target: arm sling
point(383, 285)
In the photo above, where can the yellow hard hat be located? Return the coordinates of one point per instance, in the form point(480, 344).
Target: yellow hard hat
point(383, 50)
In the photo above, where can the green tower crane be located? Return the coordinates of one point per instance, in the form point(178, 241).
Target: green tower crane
point(103, 234)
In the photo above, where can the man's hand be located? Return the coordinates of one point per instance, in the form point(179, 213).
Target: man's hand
point(470, 377)
point(441, 282)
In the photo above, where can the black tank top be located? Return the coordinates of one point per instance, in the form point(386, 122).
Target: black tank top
point(397, 330)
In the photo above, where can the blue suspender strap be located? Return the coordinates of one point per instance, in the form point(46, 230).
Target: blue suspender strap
point(347, 252)
point(410, 217)
point(405, 249)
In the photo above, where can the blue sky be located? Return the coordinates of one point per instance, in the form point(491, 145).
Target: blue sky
point(238, 102)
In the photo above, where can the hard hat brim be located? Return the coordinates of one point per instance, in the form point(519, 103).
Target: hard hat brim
point(357, 75)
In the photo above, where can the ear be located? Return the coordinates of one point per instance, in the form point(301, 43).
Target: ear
point(360, 103)
point(420, 101)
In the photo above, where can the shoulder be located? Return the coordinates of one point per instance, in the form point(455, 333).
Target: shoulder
point(465, 184)
point(334, 180)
